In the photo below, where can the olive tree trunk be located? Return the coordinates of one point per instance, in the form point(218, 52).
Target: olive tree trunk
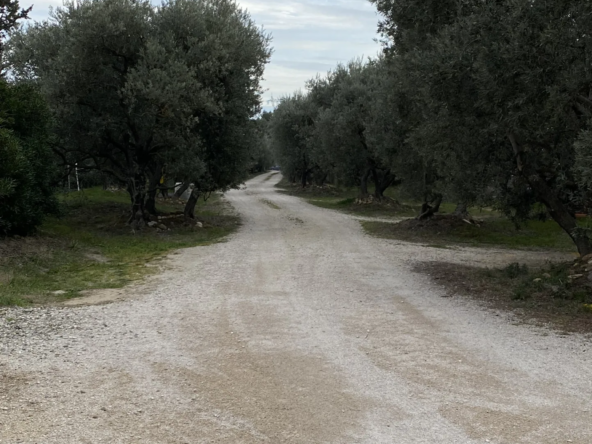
point(137, 190)
point(557, 209)
point(364, 184)
point(382, 181)
point(428, 209)
point(189, 211)
point(153, 187)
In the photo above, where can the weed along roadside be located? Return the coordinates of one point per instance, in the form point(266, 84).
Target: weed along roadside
point(90, 247)
point(549, 296)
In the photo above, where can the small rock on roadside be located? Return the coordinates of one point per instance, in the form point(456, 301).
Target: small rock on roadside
point(152, 224)
point(199, 225)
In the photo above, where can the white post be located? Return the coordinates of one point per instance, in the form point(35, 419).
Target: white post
point(77, 181)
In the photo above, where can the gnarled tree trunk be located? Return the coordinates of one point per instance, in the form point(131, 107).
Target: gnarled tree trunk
point(189, 211)
point(431, 208)
point(364, 184)
point(303, 178)
point(137, 190)
point(153, 186)
point(557, 209)
point(382, 182)
point(560, 214)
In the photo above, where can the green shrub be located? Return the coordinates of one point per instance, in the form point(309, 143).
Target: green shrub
point(26, 161)
point(515, 270)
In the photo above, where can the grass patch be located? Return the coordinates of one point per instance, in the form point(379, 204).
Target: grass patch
point(545, 296)
point(91, 247)
point(494, 231)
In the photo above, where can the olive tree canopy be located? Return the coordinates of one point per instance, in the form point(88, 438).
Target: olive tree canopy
point(136, 90)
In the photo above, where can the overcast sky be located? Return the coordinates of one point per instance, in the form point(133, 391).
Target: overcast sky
point(309, 37)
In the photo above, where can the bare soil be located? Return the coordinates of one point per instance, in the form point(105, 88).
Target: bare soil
point(433, 229)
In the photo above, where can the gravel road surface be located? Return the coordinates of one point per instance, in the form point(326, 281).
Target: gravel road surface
point(299, 329)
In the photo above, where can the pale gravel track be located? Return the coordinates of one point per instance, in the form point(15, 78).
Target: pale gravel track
point(299, 329)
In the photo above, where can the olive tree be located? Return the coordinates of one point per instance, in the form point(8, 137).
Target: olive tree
point(342, 124)
point(504, 89)
point(10, 15)
point(292, 128)
point(136, 90)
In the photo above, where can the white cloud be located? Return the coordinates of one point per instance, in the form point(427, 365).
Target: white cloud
point(309, 36)
point(312, 36)
point(304, 14)
point(41, 8)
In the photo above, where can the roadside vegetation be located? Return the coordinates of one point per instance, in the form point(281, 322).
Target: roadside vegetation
point(557, 295)
point(91, 247)
point(488, 232)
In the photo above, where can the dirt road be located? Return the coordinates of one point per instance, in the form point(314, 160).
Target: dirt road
point(299, 329)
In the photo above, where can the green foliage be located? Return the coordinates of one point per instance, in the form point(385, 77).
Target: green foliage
point(583, 161)
point(26, 167)
point(291, 137)
point(504, 93)
point(515, 270)
point(325, 132)
point(135, 90)
point(10, 14)
point(262, 157)
point(341, 127)
point(485, 103)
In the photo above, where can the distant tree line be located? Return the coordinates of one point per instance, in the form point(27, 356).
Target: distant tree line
point(138, 92)
point(480, 103)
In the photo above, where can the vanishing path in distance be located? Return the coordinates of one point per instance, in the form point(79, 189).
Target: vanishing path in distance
point(299, 329)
